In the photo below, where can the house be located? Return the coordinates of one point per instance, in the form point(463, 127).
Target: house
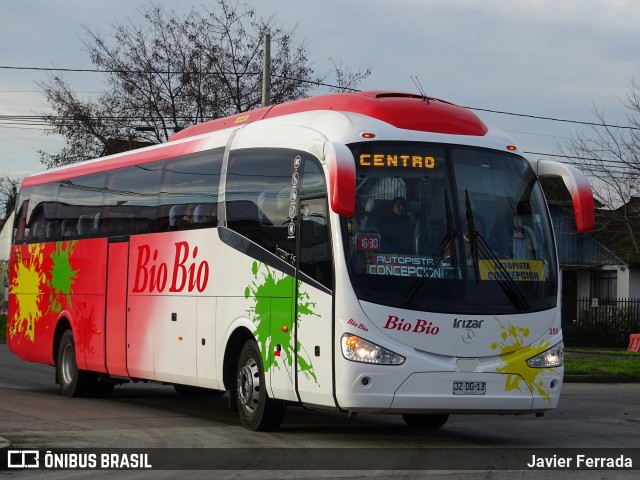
point(600, 270)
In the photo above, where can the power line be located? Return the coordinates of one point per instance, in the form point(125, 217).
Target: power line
point(564, 120)
point(25, 127)
point(98, 70)
point(571, 157)
point(313, 82)
point(44, 122)
point(536, 134)
point(171, 72)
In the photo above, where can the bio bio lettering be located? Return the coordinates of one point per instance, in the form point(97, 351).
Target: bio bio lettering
point(420, 326)
point(152, 275)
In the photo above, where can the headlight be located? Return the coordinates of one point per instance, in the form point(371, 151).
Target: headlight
point(554, 357)
point(358, 349)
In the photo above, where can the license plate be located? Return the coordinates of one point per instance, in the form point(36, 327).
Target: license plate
point(469, 388)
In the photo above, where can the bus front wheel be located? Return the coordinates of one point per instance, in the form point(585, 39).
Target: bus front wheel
point(425, 421)
point(256, 410)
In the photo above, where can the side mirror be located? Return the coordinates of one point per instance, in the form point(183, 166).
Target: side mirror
point(578, 187)
point(342, 179)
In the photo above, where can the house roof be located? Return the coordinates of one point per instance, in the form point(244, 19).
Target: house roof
point(578, 249)
point(614, 240)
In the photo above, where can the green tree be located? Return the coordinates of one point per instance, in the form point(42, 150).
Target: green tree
point(173, 70)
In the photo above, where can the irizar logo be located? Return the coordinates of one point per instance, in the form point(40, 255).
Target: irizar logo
point(465, 323)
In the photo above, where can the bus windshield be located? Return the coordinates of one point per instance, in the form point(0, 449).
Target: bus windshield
point(447, 228)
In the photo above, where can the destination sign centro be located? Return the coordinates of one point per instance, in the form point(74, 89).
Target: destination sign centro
point(395, 160)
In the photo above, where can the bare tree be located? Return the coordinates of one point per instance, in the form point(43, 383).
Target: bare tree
point(170, 71)
point(8, 195)
point(610, 155)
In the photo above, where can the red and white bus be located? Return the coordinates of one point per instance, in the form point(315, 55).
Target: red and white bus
point(364, 252)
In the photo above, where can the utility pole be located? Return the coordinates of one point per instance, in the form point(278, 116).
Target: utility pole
point(266, 71)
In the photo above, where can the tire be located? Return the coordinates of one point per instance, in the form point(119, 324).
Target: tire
point(425, 421)
point(256, 410)
point(73, 381)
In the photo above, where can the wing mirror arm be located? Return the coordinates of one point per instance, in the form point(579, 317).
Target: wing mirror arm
point(342, 178)
point(578, 186)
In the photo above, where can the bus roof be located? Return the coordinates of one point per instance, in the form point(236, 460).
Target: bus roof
point(402, 110)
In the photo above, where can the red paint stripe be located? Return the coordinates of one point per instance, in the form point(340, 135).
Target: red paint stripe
point(127, 159)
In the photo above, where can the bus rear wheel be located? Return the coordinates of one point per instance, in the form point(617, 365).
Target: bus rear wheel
point(256, 410)
point(73, 381)
point(425, 421)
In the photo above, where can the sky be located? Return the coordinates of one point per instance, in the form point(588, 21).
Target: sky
point(550, 58)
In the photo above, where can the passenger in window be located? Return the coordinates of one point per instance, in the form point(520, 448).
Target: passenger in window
point(188, 214)
point(523, 237)
point(396, 228)
point(205, 215)
point(180, 216)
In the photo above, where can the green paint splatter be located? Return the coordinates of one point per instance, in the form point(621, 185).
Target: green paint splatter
point(62, 275)
point(514, 358)
point(305, 309)
point(273, 308)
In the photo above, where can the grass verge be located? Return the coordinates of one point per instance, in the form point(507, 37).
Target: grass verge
point(601, 362)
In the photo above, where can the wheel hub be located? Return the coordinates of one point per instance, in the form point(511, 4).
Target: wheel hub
point(68, 365)
point(249, 385)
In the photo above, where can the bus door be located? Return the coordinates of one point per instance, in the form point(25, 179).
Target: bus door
point(314, 304)
point(116, 306)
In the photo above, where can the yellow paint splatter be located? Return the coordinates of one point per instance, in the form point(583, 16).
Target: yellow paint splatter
point(27, 286)
point(514, 358)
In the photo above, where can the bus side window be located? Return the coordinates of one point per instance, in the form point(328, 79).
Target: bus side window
point(131, 198)
point(20, 222)
point(40, 210)
point(262, 190)
point(312, 178)
point(314, 256)
point(78, 202)
point(189, 191)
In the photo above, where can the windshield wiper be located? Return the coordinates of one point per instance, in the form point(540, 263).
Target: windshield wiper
point(439, 256)
point(478, 245)
point(473, 235)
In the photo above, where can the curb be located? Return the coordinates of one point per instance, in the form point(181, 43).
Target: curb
point(600, 379)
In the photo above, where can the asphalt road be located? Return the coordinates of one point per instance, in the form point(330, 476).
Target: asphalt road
point(34, 415)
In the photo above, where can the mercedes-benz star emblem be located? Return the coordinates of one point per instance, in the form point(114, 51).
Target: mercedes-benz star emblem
point(468, 336)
